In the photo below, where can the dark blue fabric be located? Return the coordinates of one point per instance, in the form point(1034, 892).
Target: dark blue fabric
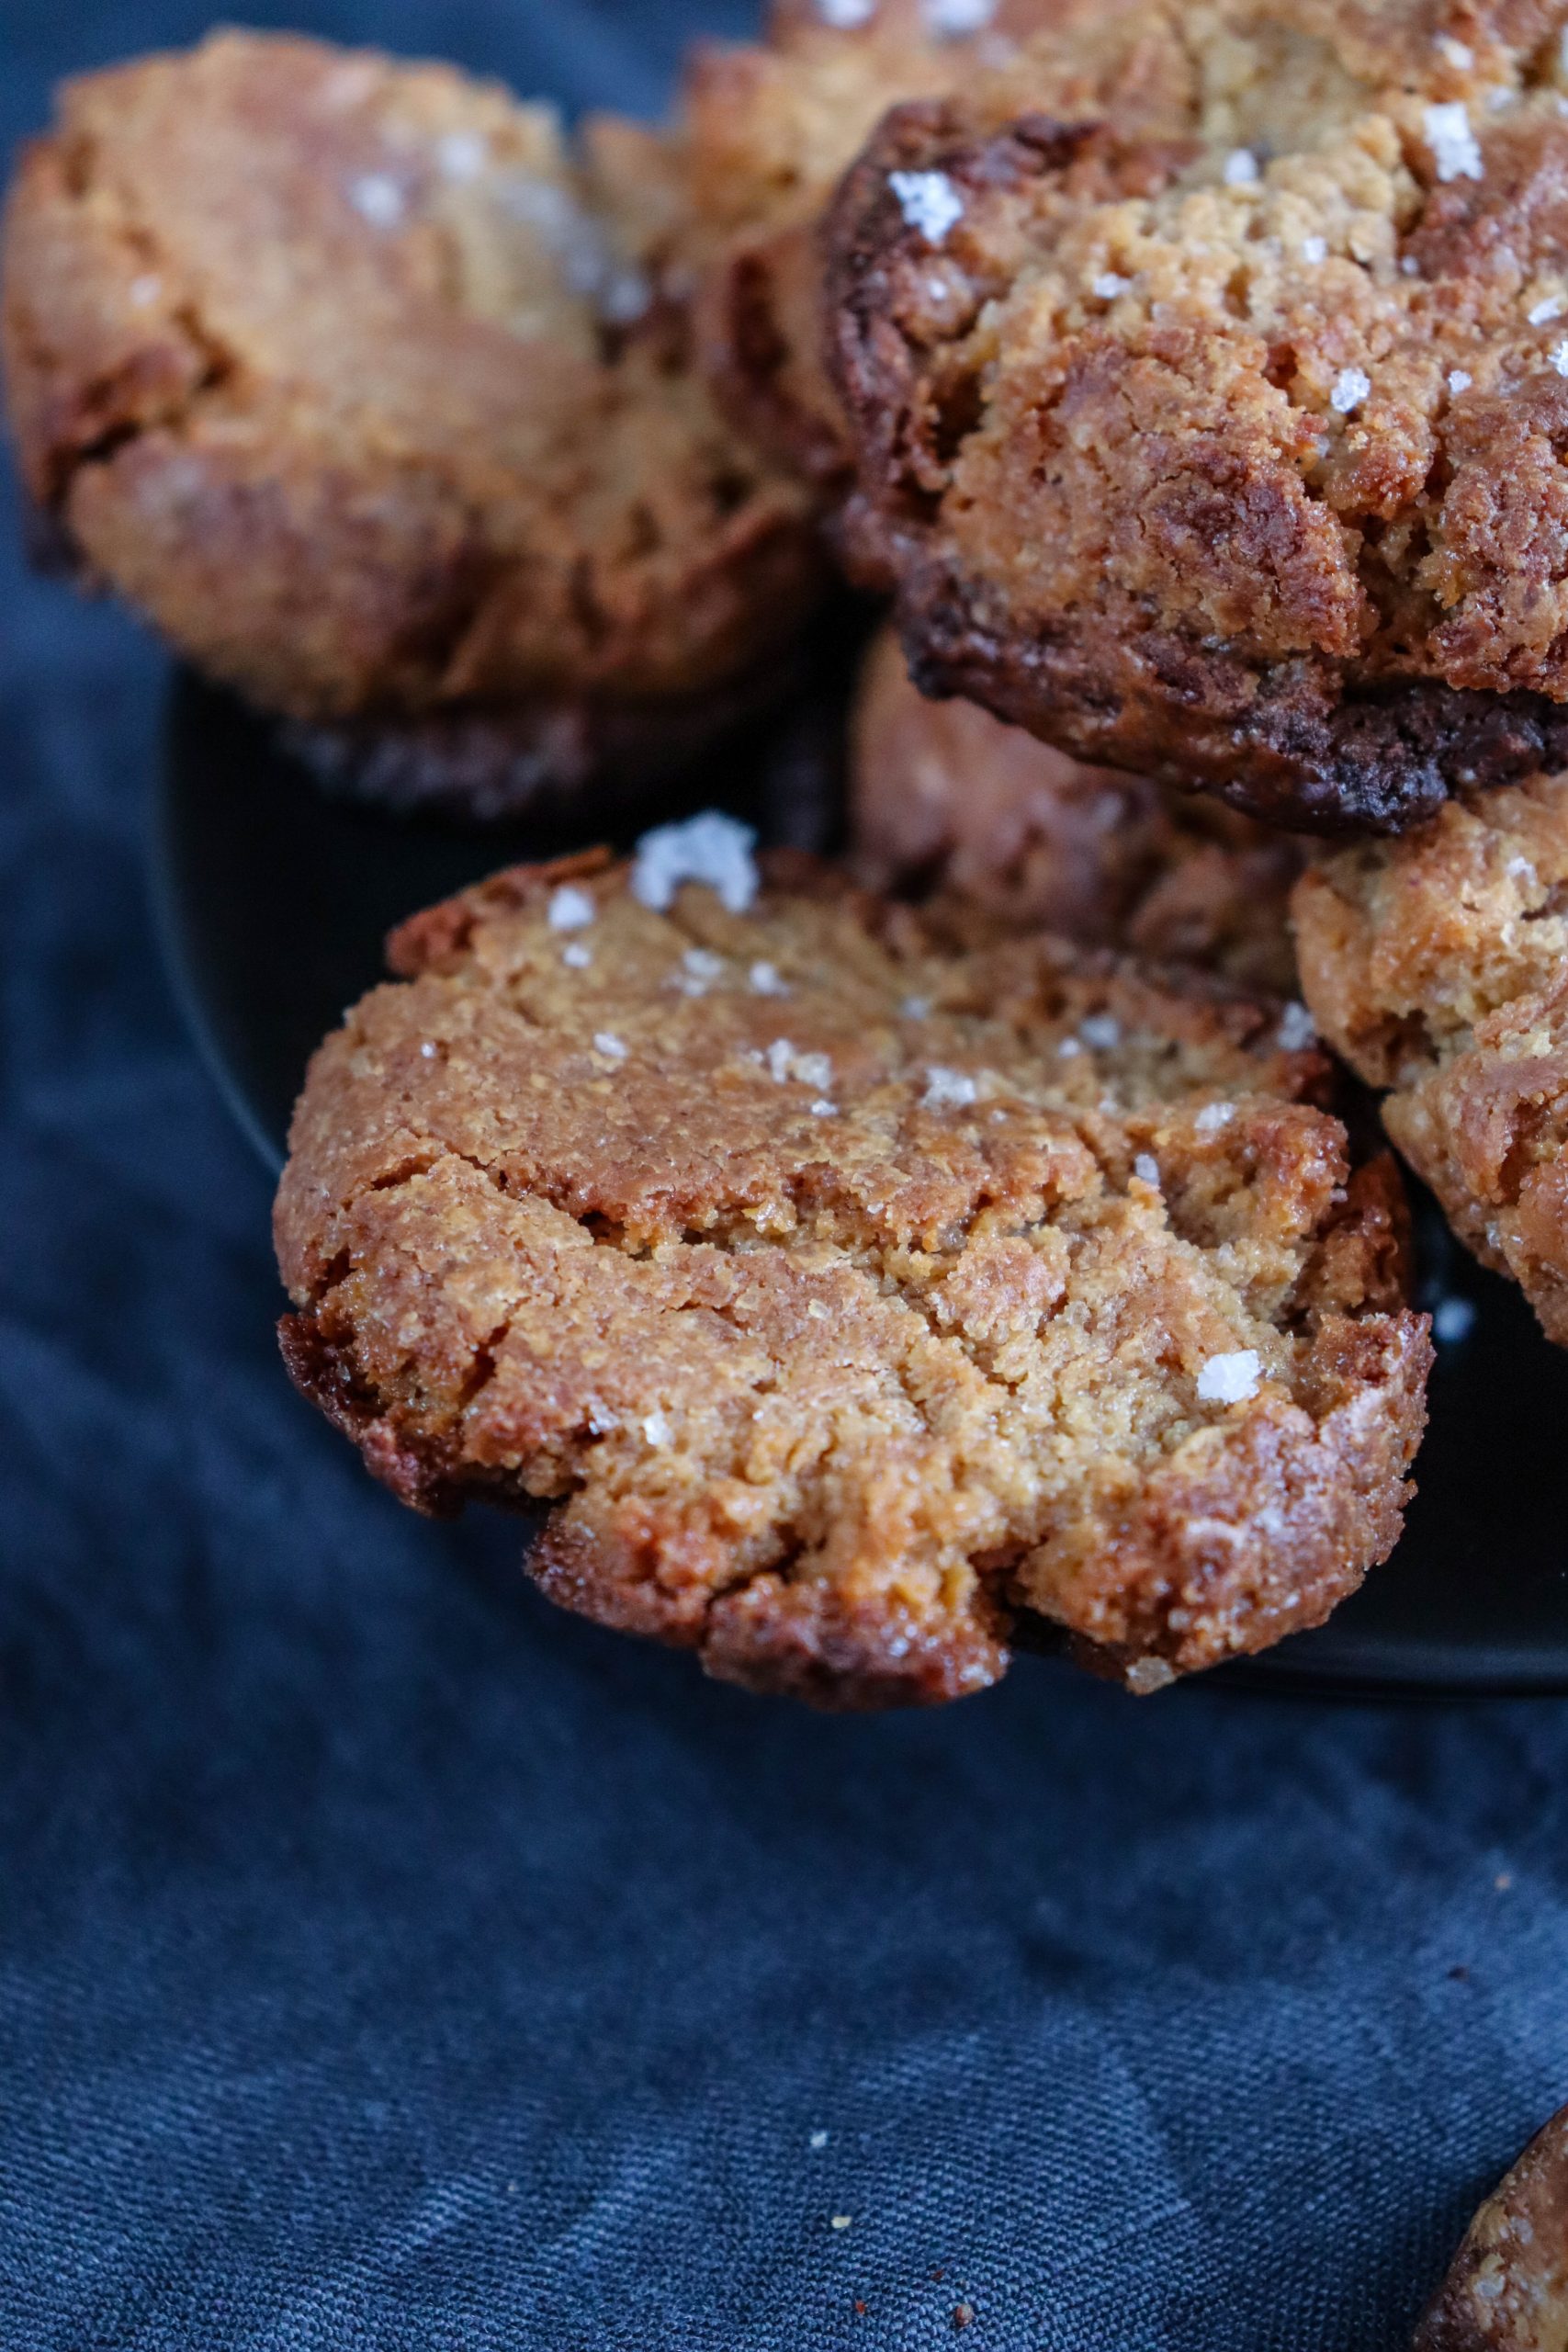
point(386, 1962)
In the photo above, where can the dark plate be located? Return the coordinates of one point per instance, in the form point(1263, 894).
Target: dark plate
point(273, 902)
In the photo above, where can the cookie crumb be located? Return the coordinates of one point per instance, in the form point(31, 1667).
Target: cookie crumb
point(962, 2314)
point(1453, 1319)
point(840, 2221)
point(817, 2140)
point(570, 908)
point(929, 202)
point(1455, 154)
point(1503, 1881)
point(1230, 1379)
point(711, 849)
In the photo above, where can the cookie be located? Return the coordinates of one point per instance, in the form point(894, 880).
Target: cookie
point(1438, 966)
point(765, 131)
point(848, 1293)
point(946, 799)
point(1508, 2288)
point(1225, 446)
point(329, 365)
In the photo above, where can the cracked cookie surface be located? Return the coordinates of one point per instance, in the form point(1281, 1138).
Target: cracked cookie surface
point(946, 799)
point(336, 368)
point(1215, 431)
point(848, 1291)
point(1438, 966)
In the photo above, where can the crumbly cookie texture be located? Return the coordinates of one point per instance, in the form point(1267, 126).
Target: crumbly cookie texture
point(1215, 431)
point(335, 367)
point(845, 1291)
point(1438, 966)
point(1508, 2288)
point(946, 799)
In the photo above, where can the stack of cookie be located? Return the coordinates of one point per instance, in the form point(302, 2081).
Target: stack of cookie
point(864, 1262)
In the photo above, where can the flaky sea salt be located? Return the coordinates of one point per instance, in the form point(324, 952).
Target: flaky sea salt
point(1455, 155)
point(570, 908)
point(711, 849)
point(143, 292)
point(845, 15)
point(1214, 1117)
point(1459, 380)
point(1558, 356)
point(818, 2140)
point(1314, 249)
point(701, 964)
point(1230, 1380)
point(951, 19)
point(377, 198)
point(1350, 389)
point(1548, 306)
point(1459, 53)
point(1068, 1047)
point(656, 1429)
point(947, 1089)
point(783, 1063)
point(1519, 869)
point(1101, 1032)
point(606, 1043)
point(1146, 1167)
point(929, 202)
point(577, 956)
point(1241, 167)
point(462, 155)
point(1297, 1029)
point(1108, 284)
point(823, 1109)
point(914, 1008)
point(764, 981)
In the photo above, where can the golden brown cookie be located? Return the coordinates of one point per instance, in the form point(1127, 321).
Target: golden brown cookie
point(1225, 447)
point(1508, 2289)
point(765, 131)
point(847, 1294)
point(331, 367)
point(946, 799)
point(1438, 966)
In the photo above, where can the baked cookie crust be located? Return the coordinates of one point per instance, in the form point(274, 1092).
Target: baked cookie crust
point(848, 1291)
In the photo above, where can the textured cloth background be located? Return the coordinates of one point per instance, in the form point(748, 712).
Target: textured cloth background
point(388, 1963)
